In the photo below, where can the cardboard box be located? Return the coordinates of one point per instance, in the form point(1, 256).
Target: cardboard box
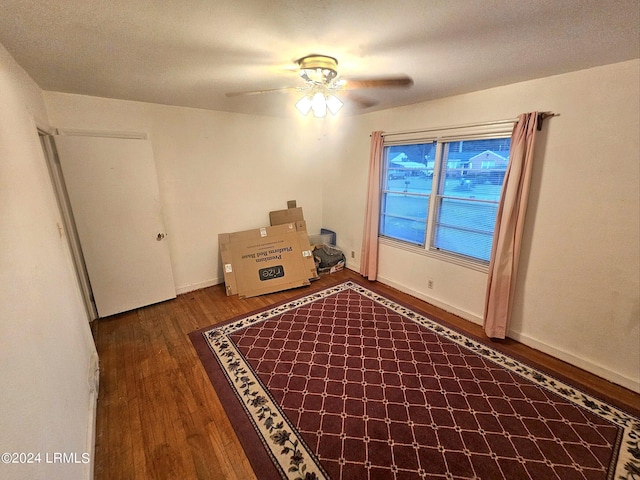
point(267, 260)
point(289, 215)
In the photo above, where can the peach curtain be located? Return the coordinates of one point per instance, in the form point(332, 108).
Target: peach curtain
point(369, 253)
point(505, 250)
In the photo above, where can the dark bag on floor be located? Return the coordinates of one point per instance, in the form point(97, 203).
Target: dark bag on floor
point(327, 257)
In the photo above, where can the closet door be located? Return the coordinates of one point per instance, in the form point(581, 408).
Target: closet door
point(113, 191)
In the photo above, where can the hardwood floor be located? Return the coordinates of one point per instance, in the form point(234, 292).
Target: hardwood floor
point(160, 418)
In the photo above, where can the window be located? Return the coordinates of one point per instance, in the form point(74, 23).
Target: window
point(442, 195)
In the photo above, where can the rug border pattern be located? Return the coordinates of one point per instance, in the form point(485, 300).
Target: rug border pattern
point(296, 461)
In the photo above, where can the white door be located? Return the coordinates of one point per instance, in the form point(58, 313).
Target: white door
point(115, 201)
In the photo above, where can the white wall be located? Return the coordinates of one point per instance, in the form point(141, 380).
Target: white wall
point(47, 356)
point(577, 293)
point(578, 285)
point(218, 172)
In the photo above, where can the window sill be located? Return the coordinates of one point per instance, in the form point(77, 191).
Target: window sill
point(442, 256)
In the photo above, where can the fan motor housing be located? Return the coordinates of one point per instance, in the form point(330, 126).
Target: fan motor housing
point(318, 68)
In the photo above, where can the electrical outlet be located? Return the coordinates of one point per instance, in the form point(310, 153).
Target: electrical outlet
point(430, 284)
point(353, 254)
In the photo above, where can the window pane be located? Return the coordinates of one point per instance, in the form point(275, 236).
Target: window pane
point(465, 227)
point(404, 217)
point(407, 183)
point(476, 168)
point(472, 179)
point(409, 168)
point(470, 244)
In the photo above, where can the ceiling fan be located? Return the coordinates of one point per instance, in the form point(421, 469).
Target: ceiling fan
point(321, 81)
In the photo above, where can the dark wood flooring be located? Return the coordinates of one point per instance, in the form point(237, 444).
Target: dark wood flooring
point(158, 415)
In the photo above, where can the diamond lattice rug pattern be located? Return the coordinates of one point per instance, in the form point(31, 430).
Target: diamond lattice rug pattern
point(348, 384)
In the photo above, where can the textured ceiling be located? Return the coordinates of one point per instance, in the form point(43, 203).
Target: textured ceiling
point(191, 52)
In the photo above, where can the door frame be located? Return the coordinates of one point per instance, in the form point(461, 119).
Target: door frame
point(64, 206)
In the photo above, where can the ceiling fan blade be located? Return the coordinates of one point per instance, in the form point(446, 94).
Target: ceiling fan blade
point(402, 81)
point(258, 92)
point(362, 102)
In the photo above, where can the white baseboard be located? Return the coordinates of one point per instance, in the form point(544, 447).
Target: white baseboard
point(352, 266)
point(576, 361)
point(433, 301)
point(555, 352)
point(198, 286)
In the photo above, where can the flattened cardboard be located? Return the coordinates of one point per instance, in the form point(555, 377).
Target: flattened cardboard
point(266, 260)
point(289, 215)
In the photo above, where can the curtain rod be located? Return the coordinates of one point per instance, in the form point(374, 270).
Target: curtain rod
point(541, 117)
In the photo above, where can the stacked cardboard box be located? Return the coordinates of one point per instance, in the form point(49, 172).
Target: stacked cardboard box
point(268, 259)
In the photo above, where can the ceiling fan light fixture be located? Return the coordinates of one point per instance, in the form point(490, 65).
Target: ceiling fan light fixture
point(319, 105)
point(304, 105)
point(333, 104)
point(319, 102)
point(321, 82)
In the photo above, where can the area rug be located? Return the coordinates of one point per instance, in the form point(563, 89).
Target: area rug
point(348, 384)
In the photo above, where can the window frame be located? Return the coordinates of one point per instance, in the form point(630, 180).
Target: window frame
point(441, 136)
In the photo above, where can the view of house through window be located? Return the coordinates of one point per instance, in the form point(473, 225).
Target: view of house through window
point(443, 195)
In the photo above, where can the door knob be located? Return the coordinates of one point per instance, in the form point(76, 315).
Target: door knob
point(160, 236)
